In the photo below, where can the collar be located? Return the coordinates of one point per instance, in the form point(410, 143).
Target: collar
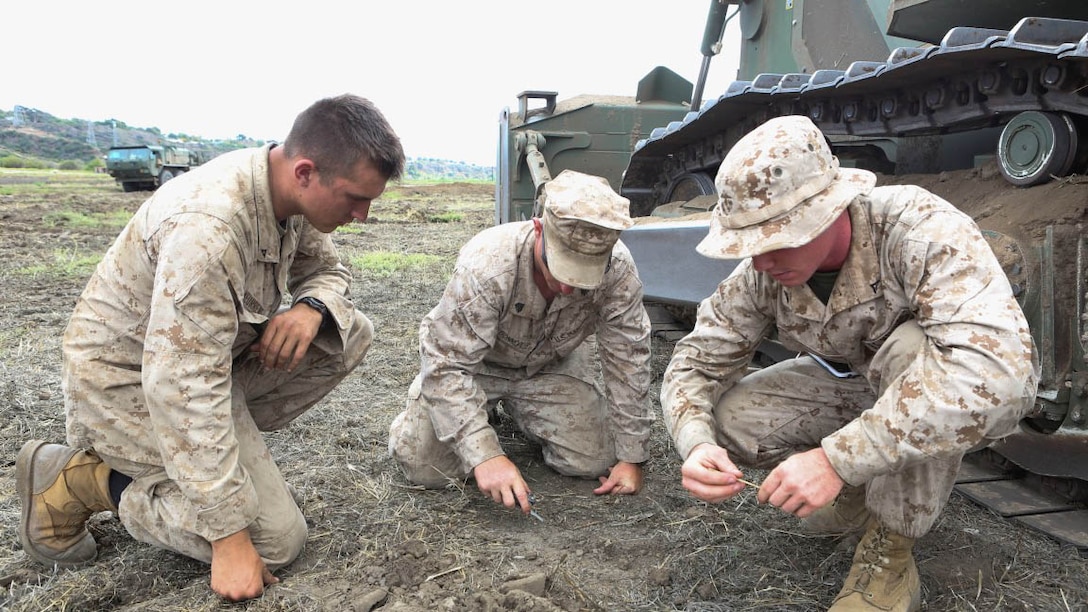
point(259, 197)
point(859, 279)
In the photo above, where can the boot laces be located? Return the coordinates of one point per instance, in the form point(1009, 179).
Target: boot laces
point(873, 559)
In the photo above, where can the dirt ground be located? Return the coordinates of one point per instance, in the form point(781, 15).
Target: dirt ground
point(376, 543)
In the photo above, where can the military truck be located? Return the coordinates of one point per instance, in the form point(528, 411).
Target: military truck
point(147, 167)
point(918, 87)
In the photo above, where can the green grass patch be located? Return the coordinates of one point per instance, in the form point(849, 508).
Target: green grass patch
point(66, 263)
point(25, 182)
point(351, 228)
point(44, 176)
point(385, 264)
point(71, 218)
point(448, 216)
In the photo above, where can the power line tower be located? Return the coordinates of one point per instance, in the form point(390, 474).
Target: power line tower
point(18, 119)
point(91, 140)
point(113, 127)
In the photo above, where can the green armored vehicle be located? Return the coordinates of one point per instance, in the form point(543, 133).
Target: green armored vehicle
point(146, 167)
point(902, 87)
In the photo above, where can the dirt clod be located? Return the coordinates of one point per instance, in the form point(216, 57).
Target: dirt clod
point(532, 584)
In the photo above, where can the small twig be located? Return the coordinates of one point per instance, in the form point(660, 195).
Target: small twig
point(443, 573)
point(574, 587)
point(589, 524)
point(750, 484)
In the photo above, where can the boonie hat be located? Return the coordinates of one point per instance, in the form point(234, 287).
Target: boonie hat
point(582, 221)
point(779, 187)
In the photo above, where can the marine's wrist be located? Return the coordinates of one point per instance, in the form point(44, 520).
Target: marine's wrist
point(320, 307)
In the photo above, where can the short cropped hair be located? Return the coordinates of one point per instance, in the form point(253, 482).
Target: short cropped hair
point(337, 132)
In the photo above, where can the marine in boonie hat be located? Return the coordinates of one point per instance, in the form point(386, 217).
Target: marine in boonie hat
point(582, 221)
point(779, 187)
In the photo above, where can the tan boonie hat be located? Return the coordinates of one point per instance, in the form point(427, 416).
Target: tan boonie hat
point(583, 217)
point(779, 187)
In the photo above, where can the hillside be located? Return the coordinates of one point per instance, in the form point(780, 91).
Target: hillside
point(36, 139)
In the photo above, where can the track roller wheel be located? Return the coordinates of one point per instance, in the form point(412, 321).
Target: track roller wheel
point(1034, 146)
point(689, 186)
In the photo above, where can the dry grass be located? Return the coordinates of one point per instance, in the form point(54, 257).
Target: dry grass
point(377, 541)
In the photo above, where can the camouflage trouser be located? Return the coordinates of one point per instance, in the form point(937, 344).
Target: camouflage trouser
point(789, 407)
point(557, 408)
point(153, 509)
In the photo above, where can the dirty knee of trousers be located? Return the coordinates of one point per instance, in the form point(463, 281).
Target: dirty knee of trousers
point(428, 476)
point(896, 354)
point(281, 543)
point(360, 337)
point(586, 468)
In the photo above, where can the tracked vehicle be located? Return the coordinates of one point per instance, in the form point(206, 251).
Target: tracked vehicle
point(913, 90)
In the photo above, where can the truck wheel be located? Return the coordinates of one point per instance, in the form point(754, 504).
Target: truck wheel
point(164, 176)
point(129, 187)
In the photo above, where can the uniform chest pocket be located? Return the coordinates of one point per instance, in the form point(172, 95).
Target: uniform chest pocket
point(570, 331)
point(262, 295)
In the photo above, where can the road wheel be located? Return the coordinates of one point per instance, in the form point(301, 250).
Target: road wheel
point(164, 176)
point(1035, 146)
point(689, 186)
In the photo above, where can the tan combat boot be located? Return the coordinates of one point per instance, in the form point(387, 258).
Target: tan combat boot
point(846, 515)
point(60, 488)
point(883, 576)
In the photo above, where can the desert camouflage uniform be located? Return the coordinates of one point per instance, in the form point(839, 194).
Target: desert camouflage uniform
point(157, 373)
point(921, 310)
point(493, 336)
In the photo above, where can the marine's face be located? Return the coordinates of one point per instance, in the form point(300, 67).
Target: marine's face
point(329, 203)
point(542, 258)
point(793, 267)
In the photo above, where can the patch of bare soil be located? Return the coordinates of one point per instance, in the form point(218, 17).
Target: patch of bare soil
point(1023, 213)
point(377, 543)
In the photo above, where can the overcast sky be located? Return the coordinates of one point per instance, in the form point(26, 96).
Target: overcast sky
point(440, 71)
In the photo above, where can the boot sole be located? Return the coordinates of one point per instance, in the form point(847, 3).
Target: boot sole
point(24, 487)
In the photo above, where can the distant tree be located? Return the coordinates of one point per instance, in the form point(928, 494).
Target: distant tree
point(12, 161)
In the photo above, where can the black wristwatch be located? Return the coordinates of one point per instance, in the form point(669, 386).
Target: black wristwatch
point(319, 306)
